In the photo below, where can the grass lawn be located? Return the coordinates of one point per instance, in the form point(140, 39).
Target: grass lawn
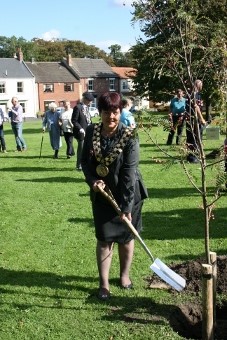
point(48, 274)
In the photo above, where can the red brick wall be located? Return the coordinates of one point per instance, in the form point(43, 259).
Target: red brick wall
point(58, 95)
point(101, 85)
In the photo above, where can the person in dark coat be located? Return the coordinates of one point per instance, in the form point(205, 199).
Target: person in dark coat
point(110, 160)
point(51, 123)
point(194, 121)
point(80, 120)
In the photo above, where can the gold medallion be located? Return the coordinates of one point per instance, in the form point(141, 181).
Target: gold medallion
point(102, 170)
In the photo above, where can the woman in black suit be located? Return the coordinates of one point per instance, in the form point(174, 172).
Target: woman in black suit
point(110, 160)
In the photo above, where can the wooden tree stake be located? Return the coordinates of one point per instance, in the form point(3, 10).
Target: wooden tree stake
point(213, 260)
point(207, 295)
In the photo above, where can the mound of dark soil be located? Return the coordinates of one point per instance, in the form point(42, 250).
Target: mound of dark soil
point(187, 319)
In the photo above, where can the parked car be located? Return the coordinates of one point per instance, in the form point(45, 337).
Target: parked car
point(94, 112)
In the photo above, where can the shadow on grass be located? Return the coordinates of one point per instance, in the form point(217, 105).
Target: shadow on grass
point(24, 155)
point(172, 193)
point(53, 180)
point(183, 224)
point(128, 308)
point(131, 308)
point(25, 130)
point(40, 279)
point(32, 169)
point(141, 310)
point(78, 220)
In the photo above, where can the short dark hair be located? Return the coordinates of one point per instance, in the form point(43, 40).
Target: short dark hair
point(89, 96)
point(109, 101)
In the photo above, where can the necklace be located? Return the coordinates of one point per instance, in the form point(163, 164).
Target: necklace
point(108, 134)
point(102, 168)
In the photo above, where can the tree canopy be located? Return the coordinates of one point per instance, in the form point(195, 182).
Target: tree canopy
point(183, 41)
point(42, 50)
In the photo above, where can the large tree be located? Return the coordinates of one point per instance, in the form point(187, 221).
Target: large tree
point(120, 58)
point(183, 41)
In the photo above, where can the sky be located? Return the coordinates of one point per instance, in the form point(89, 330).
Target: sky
point(96, 22)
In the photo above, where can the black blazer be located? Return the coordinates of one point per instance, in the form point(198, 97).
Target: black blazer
point(79, 121)
point(124, 178)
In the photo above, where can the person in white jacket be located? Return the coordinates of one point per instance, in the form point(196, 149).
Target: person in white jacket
point(67, 127)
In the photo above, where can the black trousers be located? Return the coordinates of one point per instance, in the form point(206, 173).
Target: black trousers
point(69, 143)
point(191, 134)
point(80, 144)
point(177, 126)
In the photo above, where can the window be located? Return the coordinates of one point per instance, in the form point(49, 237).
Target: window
point(23, 106)
point(68, 87)
point(2, 88)
point(125, 85)
point(90, 84)
point(20, 87)
point(112, 84)
point(48, 87)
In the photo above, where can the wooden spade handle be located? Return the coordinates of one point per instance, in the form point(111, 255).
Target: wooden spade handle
point(126, 221)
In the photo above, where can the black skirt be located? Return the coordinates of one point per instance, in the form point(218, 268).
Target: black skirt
point(108, 226)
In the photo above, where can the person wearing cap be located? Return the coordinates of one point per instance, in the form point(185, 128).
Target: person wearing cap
point(81, 119)
point(176, 117)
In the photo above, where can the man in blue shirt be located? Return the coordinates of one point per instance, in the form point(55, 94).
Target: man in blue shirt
point(176, 117)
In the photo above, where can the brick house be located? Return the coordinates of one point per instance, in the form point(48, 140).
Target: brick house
point(125, 75)
point(36, 84)
point(95, 75)
point(125, 79)
point(54, 83)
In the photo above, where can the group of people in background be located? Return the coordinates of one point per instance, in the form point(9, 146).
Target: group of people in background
point(186, 109)
point(74, 122)
point(70, 123)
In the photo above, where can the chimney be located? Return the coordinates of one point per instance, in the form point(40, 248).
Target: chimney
point(19, 54)
point(69, 59)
